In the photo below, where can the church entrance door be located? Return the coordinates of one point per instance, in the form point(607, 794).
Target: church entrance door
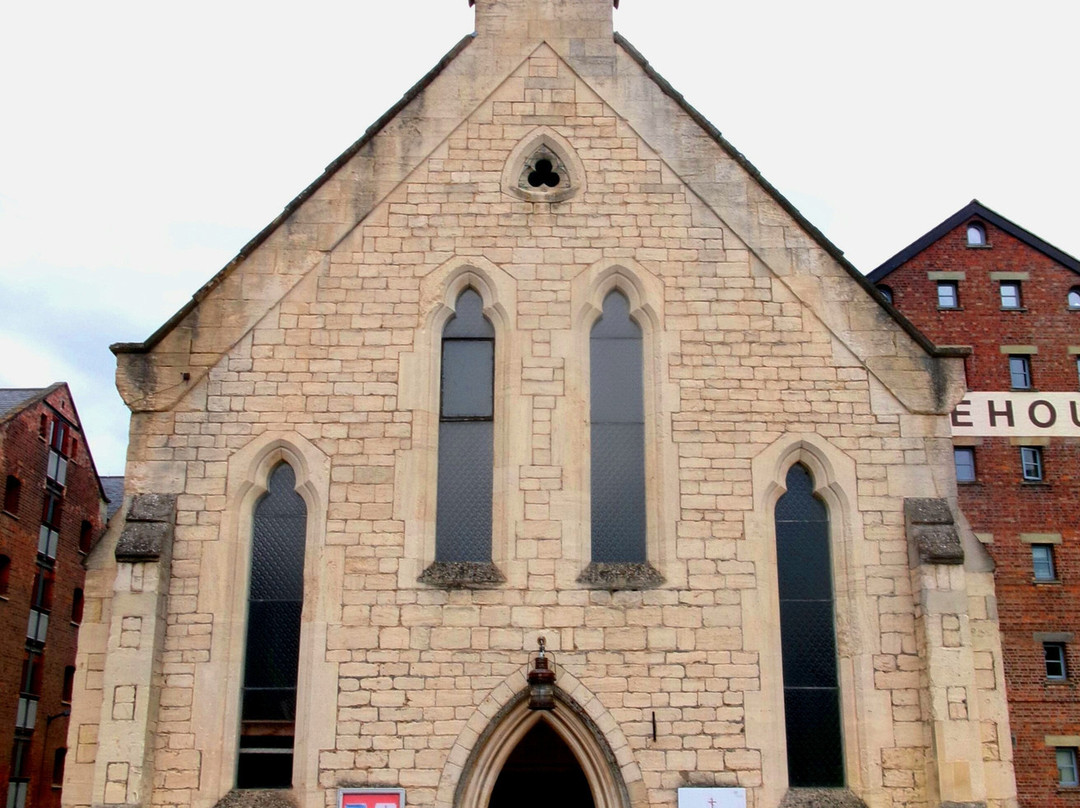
point(541, 772)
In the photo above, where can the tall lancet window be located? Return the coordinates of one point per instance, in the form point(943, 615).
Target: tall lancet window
point(466, 435)
point(275, 600)
point(808, 636)
point(617, 430)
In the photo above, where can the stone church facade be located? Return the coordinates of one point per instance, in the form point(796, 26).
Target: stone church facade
point(540, 355)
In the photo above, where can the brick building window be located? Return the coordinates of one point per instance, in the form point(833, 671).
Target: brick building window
point(886, 292)
point(808, 636)
point(49, 534)
point(617, 434)
point(976, 235)
point(20, 770)
point(466, 434)
point(77, 602)
point(1042, 562)
point(1066, 766)
point(964, 459)
point(1031, 465)
point(1074, 297)
point(59, 759)
point(69, 684)
point(948, 295)
point(12, 491)
point(1020, 372)
point(86, 536)
point(1010, 295)
point(56, 472)
point(272, 650)
point(5, 575)
point(1054, 659)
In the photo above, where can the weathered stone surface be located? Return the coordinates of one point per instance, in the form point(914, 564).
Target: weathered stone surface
point(461, 574)
point(143, 541)
point(620, 576)
point(254, 798)
point(153, 508)
point(932, 531)
point(821, 798)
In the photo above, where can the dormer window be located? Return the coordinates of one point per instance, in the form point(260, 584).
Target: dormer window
point(976, 235)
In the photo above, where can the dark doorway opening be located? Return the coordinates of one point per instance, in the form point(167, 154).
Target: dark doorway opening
point(541, 772)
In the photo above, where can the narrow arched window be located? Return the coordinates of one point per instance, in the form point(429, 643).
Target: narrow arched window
point(617, 450)
point(976, 235)
point(808, 636)
point(272, 652)
point(466, 434)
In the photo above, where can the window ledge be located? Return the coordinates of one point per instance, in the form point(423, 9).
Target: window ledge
point(1020, 309)
point(462, 575)
point(620, 575)
point(979, 246)
point(1046, 581)
point(9, 513)
point(950, 308)
point(1035, 484)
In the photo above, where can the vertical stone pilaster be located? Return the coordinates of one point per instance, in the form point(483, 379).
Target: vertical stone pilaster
point(941, 613)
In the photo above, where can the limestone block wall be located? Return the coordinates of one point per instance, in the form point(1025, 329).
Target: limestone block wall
point(752, 363)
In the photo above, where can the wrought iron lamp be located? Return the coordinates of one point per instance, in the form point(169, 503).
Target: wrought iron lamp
point(541, 681)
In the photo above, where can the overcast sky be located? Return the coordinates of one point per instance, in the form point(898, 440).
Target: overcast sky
point(143, 143)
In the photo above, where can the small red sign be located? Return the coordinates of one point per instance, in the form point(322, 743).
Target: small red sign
point(371, 798)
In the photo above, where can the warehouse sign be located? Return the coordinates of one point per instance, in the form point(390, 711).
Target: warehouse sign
point(371, 798)
point(1021, 415)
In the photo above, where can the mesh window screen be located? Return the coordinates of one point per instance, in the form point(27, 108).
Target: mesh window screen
point(808, 636)
point(617, 430)
point(466, 434)
point(272, 652)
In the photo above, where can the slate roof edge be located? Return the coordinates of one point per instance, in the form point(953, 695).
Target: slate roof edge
point(972, 209)
point(300, 199)
point(36, 394)
point(821, 239)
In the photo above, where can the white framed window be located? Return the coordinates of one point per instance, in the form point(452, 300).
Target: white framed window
point(964, 459)
point(1074, 297)
point(1031, 464)
point(1042, 562)
point(1020, 372)
point(1054, 659)
point(948, 295)
point(1010, 295)
point(1066, 766)
point(976, 235)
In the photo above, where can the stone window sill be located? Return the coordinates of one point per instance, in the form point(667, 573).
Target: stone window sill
point(462, 575)
point(620, 575)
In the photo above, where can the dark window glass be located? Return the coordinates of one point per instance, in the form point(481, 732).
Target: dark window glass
point(5, 574)
point(886, 292)
point(1054, 657)
point(808, 636)
point(69, 684)
point(617, 426)
point(86, 536)
point(466, 434)
point(272, 653)
point(1020, 372)
point(77, 606)
point(59, 758)
point(12, 489)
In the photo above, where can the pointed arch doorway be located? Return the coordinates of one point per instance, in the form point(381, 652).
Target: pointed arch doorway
point(527, 759)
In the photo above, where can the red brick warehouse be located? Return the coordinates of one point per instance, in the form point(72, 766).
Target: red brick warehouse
point(54, 509)
point(980, 280)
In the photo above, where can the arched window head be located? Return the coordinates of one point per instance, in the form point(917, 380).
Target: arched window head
point(1074, 297)
point(976, 235)
point(808, 636)
point(617, 450)
point(466, 434)
point(886, 292)
point(272, 652)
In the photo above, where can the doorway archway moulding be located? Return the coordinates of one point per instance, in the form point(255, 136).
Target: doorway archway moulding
point(504, 718)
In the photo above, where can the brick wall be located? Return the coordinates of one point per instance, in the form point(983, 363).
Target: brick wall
point(999, 503)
